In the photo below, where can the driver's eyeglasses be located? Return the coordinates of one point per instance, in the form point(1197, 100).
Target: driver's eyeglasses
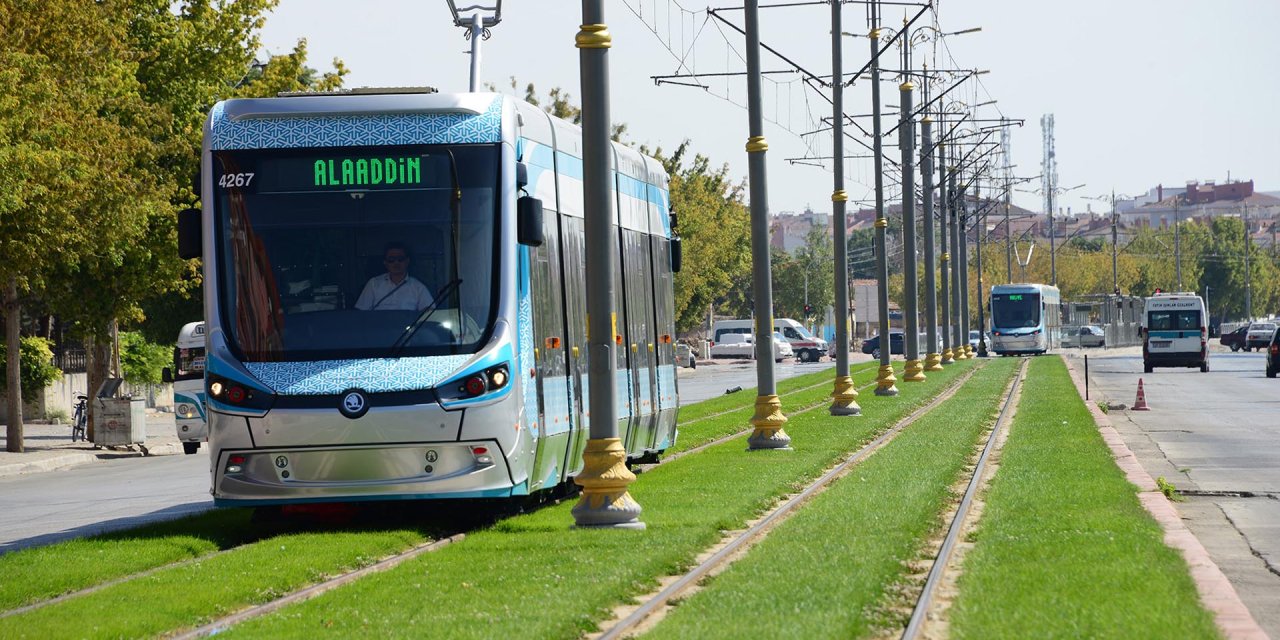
point(390, 259)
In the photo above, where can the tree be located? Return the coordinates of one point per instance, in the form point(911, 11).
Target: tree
point(811, 268)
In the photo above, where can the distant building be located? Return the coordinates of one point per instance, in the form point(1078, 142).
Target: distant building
point(1203, 201)
point(789, 229)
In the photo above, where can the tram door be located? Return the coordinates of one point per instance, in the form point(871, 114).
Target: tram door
point(641, 344)
point(549, 344)
point(574, 255)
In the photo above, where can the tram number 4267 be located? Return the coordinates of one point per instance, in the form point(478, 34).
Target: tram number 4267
point(230, 180)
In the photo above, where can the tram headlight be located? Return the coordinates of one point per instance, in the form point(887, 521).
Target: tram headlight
point(487, 382)
point(185, 411)
point(237, 394)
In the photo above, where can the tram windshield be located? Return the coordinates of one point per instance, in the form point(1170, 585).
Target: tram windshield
point(1015, 310)
point(340, 252)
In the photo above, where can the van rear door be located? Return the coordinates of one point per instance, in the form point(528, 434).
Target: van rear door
point(1174, 331)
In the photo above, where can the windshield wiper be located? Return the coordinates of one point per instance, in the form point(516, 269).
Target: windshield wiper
point(407, 335)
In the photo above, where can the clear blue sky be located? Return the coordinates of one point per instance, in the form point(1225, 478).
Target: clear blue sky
point(1142, 91)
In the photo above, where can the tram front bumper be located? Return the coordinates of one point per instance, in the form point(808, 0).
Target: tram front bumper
point(354, 473)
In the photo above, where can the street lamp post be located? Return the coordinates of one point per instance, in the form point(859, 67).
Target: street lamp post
point(886, 383)
point(914, 370)
point(605, 501)
point(767, 422)
point(844, 394)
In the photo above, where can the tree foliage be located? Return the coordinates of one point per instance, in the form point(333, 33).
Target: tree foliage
point(37, 368)
point(142, 361)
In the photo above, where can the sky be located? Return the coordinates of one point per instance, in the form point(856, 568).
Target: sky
point(1143, 92)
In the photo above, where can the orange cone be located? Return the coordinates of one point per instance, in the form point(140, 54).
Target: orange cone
point(1141, 403)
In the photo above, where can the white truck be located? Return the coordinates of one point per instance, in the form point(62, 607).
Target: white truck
point(807, 347)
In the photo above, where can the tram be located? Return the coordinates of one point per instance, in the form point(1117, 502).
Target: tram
point(395, 299)
point(1025, 318)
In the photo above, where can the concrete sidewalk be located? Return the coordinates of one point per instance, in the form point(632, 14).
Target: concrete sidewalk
point(49, 447)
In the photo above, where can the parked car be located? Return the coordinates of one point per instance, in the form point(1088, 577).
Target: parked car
point(743, 345)
point(1091, 336)
point(1235, 339)
point(897, 344)
point(1273, 355)
point(684, 356)
point(1259, 335)
point(806, 346)
point(974, 334)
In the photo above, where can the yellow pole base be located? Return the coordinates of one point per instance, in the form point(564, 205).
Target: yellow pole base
point(968, 351)
point(885, 381)
point(948, 357)
point(933, 362)
point(605, 501)
point(914, 371)
point(845, 398)
point(768, 421)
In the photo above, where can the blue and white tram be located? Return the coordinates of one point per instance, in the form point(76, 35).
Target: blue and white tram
point(317, 393)
point(1025, 318)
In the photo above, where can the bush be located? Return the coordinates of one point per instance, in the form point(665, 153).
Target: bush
point(142, 361)
point(37, 367)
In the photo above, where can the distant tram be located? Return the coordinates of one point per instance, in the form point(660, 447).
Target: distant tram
point(395, 298)
point(1025, 318)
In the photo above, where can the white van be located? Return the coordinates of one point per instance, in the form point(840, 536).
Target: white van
point(807, 347)
point(1174, 332)
point(188, 387)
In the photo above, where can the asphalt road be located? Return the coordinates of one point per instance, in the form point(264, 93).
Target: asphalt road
point(42, 508)
point(1216, 437)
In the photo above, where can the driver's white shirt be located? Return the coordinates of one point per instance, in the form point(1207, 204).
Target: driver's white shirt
point(411, 296)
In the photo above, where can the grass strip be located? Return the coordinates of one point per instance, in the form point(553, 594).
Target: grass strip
point(64, 567)
point(825, 572)
point(1064, 548)
point(532, 576)
point(40, 573)
point(194, 593)
point(729, 402)
point(732, 421)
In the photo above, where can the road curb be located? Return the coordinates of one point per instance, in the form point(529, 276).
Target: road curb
point(77, 458)
point(1216, 592)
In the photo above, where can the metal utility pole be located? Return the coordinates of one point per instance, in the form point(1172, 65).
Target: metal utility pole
point(1115, 237)
point(1248, 288)
point(768, 419)
point(1177, 243)
point(886, 383)
point(844, 394)
point(914, 370)
point(477, 27)
point(981, 229)
point(933, 359)
point(605, 501)
point(1049, 184)
point(1008, 194)
point(963, 245)
point(944, 258)
point(958, 343)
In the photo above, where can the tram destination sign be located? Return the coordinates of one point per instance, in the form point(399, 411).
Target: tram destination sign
point(310, 173)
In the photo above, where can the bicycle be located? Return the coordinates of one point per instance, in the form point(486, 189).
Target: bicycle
point(80, 418)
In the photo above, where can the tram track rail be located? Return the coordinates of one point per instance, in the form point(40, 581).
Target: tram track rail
point(960, 520)
point(728, 551)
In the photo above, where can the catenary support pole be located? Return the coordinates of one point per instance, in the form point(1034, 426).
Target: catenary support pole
point(767, 422)
point(944, 257)
point(477, 33)
point(933, 358)
point(957, 342)
point(844, 395)
point(605, 501)
point(886, 383)
point(980, 230)
point(962, 245)
point(914, 369)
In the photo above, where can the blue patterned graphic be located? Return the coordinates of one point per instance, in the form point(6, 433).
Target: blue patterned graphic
point(375, 375)
point(354, 131)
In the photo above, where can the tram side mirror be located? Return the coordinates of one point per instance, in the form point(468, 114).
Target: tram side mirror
point(529, 221)
point(522, 175)
point(166, 375)
point(189, 244)
point(677, 255)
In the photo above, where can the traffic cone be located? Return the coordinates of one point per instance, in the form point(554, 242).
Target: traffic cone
point(1141, 403)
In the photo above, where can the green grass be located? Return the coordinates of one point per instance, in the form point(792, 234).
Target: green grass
point(194, 593)
point(1064, 548)
point(824, 572)
point(532, 576)
point(39, 573)
point(737, 408)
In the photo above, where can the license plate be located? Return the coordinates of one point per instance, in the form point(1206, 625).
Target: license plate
point(1161, 343)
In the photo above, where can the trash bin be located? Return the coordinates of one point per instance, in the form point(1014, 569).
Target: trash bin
point(121, 420)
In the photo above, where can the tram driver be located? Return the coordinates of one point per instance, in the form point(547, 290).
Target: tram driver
point(394, 290)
